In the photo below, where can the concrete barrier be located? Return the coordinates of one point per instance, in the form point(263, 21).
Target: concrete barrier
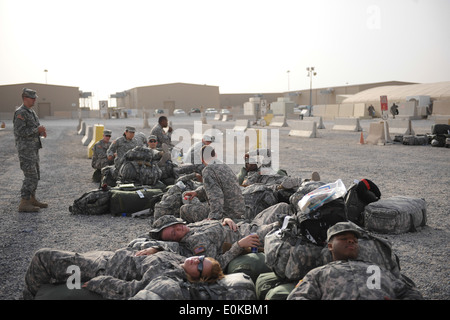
point(97, 136)
point(331, 111)
point(241, 125)
point(218, 116)
point(378, 135)
point(306, 129)
point(347, 124)
point(82, 130)
point(400, 126)
point(278, 121)
point(88, 136)
point(319, 110)
point(346, 110)
point(318, 120)
point(227, 117)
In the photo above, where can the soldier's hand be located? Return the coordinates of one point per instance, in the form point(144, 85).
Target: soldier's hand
point(230, 223)
point(189, 195)
point(249, 241)
point(146, 252)
point(42, 131)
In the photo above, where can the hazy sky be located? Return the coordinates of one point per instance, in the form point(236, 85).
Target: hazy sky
point(240, 46)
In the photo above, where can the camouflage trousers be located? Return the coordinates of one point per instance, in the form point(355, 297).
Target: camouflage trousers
point(29, 164)
point(195, 211)
point(51, 266)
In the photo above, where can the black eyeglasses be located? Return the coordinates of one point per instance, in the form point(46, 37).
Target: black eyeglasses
point(152, 141)
point(200, 265)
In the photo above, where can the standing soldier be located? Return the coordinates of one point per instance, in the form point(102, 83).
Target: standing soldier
point(99, 157)
point(162, 136)
point(28, 132)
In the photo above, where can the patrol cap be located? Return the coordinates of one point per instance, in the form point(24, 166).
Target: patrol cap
point(152, 137)
point(107, 132)
point(163, 222)
point(343, 227)
point(29, 93)
point(208, 138)
point(131, 129)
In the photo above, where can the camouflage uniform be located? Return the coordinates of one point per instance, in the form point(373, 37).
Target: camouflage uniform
point(121, 146)
point(162, 136)
point(113, 275)
point(99, 156)
point(208, 237)
point(28, 143)
point(222, 192)
point(348, 280)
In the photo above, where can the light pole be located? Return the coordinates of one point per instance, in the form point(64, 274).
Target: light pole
point(288, 80)
point(311, 73)
point(46, 71)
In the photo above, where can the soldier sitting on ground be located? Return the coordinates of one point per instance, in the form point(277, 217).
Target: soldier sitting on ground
point(347, 278)
point(220, 191)
point(99, 156)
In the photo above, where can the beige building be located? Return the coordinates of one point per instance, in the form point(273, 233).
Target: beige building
point(53, 101)
point(169, 97)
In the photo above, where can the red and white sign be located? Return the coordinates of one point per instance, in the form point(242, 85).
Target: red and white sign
point(384, 103)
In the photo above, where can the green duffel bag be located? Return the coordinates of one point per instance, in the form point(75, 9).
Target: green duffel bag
point(252, 264)
point(127, 200)
point(270, 287)
point(280, 292)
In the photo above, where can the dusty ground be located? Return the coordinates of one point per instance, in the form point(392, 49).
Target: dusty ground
point(418, 171)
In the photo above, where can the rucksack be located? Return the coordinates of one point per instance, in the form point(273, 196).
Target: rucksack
point(288, 253)
point(137, 167)
point(358, 195)
point(314, 225)
point(395, 215)
point(94, 202)
point(258, 197)
point(139, 171)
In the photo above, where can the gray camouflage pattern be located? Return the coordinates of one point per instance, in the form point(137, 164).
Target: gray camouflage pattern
point(120, 146)
point(221, 190)
point(28, 143)
point(347, 280)
point(99, 156)
point(162, 136)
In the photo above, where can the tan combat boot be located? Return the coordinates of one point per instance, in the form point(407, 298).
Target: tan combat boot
point(26, 206)
point(36, 203)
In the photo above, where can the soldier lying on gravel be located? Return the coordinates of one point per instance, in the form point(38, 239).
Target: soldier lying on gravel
point(211, 237)
point(347, 278)
point(120, 274)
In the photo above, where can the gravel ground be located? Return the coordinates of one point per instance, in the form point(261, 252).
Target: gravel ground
point(417, 171)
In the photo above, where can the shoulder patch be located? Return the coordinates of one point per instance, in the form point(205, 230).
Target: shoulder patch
point(19, 116)
point(199, 249)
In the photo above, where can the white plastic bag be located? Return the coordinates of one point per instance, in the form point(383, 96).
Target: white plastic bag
point(322, 195)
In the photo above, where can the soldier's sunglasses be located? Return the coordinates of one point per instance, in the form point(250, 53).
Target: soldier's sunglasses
point(153, 141)
point(200, 265)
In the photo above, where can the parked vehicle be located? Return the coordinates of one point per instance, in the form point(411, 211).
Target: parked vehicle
point(224, 111)
point(194, 110)
point(179, 112)
point(210, 111)
point(158, 112)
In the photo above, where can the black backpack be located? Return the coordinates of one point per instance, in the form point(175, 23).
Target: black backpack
point(94, 202)
point(314, 225)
